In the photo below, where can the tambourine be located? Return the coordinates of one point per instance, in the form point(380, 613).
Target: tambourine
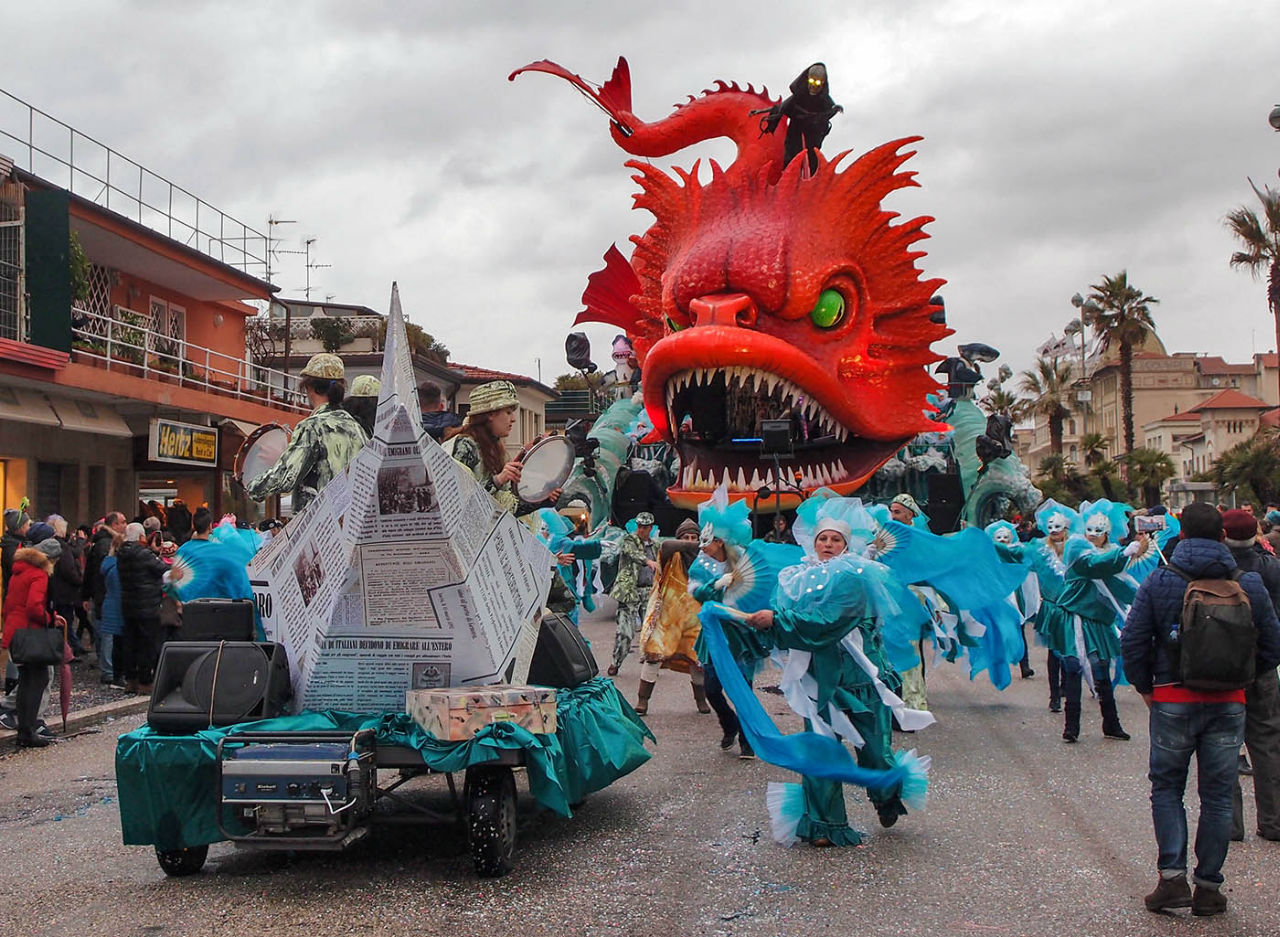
point(260, 450)
point(544, 467)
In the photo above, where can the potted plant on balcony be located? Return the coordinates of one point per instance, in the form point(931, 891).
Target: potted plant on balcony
point(165, 359)
point(128, 340)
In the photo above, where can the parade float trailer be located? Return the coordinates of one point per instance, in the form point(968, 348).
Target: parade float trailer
point(400, 581)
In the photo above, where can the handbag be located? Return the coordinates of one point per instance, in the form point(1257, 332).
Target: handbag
point(36, 646)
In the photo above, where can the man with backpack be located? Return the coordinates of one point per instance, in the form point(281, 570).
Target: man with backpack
point(1197, 634)
point(1262, 698)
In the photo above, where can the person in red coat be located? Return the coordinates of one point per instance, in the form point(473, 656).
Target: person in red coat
point(26, 605)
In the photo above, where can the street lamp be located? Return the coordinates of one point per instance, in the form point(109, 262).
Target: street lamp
point(1088, 311)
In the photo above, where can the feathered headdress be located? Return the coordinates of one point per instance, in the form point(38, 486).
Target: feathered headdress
point(1103, 516)
point(718, 518)
point(1003, 527)
point(1051, 514)
point(847, 515)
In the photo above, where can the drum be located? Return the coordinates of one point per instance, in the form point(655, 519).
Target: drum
point(260, 450)
point(546, 465)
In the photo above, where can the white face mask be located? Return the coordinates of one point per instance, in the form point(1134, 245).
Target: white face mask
point(544, 531)
point(706, 535)
point(1003, 535)
point(1056, 524)
point(1097, 526)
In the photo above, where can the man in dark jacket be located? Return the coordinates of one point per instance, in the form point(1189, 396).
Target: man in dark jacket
point(1262, 700)
point(1186, 721)
point(141, 574)
point(437, 418)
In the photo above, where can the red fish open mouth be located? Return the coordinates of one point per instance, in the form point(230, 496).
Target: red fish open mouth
point(708, 390)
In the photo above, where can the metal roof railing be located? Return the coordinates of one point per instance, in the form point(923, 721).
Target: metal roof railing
point(92, 170)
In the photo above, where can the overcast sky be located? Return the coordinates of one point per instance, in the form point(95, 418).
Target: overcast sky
point(1062, 141)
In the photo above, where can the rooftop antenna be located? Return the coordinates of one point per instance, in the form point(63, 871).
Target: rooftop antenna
point(310, 266)
point(272, 221)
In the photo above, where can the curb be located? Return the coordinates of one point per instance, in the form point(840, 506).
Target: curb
point(84, 718)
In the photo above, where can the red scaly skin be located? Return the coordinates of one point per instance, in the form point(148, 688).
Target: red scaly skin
point(729, 271)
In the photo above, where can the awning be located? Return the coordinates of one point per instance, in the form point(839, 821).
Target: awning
point(240, 426)
point(24, 406)
point(90, 416)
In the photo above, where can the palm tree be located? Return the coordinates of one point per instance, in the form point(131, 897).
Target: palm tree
point(1254, 463)
point(1093, 451)
point(1122, 318)
point(1149, 469)
point(1260, 238)
point(1000, 401)
point(1047, 386)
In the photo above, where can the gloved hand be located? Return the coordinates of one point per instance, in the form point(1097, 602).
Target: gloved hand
point(724, 582)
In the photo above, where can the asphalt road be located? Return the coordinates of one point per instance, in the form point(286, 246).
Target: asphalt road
point(1023, 835)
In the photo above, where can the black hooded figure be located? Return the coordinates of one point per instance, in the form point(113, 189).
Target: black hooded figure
point(808, 110)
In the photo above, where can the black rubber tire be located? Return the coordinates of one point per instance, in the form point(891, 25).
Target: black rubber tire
point(491, 819)
point(179, 862)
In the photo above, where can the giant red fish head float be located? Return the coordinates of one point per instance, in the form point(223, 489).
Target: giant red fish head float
point(767, 293)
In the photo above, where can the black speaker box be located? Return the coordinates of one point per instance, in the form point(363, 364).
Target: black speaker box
point(217, 683)
point(561, 658)
point(945, 504)
point(217, 620)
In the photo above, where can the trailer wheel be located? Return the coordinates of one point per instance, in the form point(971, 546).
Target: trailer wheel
point(491, 818)
point(179, 862)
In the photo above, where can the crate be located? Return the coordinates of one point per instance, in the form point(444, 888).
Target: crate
point(458, 713)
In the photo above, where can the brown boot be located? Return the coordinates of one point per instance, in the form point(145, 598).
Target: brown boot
point(642, 697)
point(700, 697)
point(1169, 893)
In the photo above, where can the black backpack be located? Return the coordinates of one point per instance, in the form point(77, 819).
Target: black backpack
point(1217, 642)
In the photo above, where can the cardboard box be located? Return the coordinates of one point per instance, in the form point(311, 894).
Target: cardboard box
point(457, 713)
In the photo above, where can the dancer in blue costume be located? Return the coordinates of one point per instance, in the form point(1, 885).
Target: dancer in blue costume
point(557, 534)
point(1044, 556)
point(827, 613)
point(1027, 596)
point(725, 532)
point(1083, 629)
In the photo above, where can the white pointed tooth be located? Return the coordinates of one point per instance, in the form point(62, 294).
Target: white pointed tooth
point(826, 475)
point(841, 471)
point(766, 383)
point(756, 481)
point(742, 480)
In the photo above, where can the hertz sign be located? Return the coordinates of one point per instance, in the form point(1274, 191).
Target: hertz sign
point(183, 443)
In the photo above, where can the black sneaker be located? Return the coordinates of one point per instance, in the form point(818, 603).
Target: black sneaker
point(44, 732)
point(9, 720)
point(889, 813)
point(1055, 707)
point(1245, 769)
point(744, 748)
point(1117, 733)
point(1069, 737)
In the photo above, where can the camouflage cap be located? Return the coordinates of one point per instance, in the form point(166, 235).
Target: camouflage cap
point(644, 519)
point(366, 385)
point(325, 366)
point(496, 395)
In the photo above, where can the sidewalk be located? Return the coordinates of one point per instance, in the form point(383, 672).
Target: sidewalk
point(86, 709)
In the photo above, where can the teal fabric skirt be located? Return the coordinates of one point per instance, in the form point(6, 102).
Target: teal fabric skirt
point(167, 784)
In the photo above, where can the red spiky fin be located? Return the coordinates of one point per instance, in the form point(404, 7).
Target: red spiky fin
point(608, 295)
point(613, 97)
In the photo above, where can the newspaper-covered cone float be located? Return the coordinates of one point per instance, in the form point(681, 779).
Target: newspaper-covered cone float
point(402, 574)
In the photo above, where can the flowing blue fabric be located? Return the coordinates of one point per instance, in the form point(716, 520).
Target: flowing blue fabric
point(805, 753)
point(964, 566)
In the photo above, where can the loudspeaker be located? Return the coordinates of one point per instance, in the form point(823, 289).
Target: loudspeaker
point(219, 683)
point(561, 658)
point(946, 503)
point(217, 620)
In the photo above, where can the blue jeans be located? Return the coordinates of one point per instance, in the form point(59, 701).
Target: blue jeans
point(106, 652)
point(1213, 732)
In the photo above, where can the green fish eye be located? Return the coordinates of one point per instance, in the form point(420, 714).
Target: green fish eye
point(829, 310)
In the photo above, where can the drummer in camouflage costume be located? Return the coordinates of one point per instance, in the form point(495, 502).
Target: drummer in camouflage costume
point(321, 445)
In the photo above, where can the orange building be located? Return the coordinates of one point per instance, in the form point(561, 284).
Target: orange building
point(124, 375)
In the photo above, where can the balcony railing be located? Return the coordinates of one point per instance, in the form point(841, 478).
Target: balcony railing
point(571, 403)
point(58, 153)
point(128, 346)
